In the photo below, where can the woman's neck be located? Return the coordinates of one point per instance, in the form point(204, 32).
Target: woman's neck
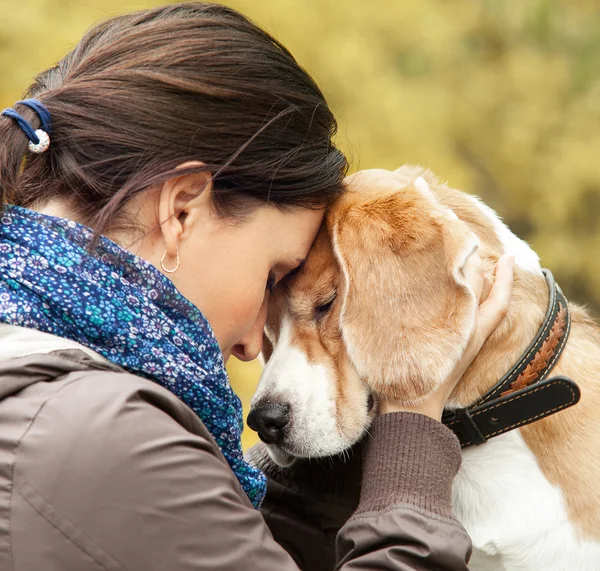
point(60, 207)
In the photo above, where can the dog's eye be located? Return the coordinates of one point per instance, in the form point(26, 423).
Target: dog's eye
point(322, 309)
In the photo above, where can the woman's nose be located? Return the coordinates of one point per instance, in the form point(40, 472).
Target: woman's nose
point(250, 346)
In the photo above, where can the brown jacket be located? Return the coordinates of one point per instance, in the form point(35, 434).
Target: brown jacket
point(100, 469)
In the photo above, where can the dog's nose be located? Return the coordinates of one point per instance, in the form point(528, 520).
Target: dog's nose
point(269, 420)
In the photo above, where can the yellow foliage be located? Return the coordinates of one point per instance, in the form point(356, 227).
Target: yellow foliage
point(244, 377)
point(501, 98)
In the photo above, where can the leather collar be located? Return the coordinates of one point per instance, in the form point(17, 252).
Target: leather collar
point(524, 394)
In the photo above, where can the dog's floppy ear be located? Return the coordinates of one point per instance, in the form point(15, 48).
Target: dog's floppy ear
point(407, 311)
point(267, 350)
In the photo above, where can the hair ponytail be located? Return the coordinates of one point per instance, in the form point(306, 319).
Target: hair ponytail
point(12, 154)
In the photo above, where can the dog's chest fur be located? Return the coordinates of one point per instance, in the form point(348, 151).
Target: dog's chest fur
point(516, 518)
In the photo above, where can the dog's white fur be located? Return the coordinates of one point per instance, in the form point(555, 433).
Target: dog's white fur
point(525, 257)
point(516, 519)
point(289, 377)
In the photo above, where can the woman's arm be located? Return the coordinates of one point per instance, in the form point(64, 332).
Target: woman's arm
point(403, 519)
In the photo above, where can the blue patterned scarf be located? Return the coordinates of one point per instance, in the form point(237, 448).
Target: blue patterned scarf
point(126, 310)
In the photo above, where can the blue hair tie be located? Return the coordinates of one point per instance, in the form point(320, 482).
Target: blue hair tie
point(39, 139)
point(42, 112)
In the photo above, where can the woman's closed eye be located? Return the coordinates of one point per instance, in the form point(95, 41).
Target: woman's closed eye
point(272, 281)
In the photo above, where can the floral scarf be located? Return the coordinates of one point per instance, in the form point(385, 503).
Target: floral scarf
point(126, 310)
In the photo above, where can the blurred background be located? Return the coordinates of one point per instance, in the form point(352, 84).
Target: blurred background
point(501, 98)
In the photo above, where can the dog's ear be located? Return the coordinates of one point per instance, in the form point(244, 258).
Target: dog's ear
point(407, 310)
point(267, 350)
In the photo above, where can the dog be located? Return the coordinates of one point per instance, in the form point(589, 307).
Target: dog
point(381, 307)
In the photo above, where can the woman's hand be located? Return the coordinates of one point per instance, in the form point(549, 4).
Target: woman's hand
point(494, 301)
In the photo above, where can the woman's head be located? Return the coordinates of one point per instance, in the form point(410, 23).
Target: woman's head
point(193, 102)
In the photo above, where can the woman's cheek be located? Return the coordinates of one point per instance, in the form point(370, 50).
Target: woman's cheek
point(244, 312)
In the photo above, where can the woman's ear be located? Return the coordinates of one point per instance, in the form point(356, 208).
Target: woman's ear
point(183, 201)
point(404, 318)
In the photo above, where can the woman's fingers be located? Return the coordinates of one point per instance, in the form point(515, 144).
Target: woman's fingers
point(489, 315)
point(495, 307)
point(474, 274)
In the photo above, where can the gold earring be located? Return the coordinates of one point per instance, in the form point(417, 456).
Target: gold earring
point(162, 263)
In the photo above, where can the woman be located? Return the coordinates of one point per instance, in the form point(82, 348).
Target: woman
point(164, 176)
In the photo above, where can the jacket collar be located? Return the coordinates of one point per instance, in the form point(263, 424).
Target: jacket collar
point(21, 341)
point(18, 373)
point(28, 356)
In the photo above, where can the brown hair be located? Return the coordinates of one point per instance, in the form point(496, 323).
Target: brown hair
point(142, 93)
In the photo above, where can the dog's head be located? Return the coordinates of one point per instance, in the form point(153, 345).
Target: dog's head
point(381, 307)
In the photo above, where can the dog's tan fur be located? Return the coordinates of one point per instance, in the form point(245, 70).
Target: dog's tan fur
point(399, 324)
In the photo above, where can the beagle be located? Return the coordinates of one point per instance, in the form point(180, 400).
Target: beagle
point(381, 307)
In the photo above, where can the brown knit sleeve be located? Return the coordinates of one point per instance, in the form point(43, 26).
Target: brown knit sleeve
point(411, 459)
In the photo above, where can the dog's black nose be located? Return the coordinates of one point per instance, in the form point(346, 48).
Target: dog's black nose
point(269, 420)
